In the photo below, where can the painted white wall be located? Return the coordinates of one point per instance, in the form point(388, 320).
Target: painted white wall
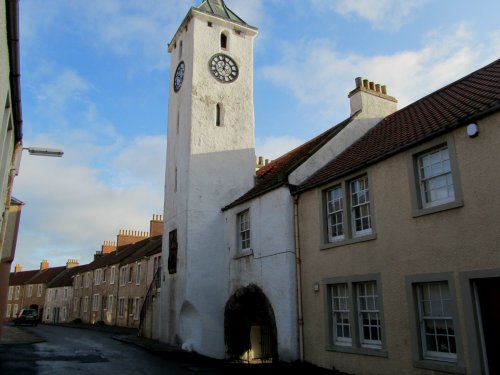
point(207, 168)
point(271, 265)
point(372, 107)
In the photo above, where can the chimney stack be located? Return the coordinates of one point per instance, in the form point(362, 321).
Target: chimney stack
point(156, 226)
point(18, 268)
point(44, 265)
point(371, 99)
point(108, 247)
point(129, 237)
point(72, 263)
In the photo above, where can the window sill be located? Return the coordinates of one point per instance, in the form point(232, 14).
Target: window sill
point(440, 366)
point(442, 207)
point(354, 350)
point(348, 241)
point(243, 254)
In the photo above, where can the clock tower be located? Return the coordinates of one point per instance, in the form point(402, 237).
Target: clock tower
point(210, 163)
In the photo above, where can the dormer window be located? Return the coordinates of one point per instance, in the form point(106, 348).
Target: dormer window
point(223, 41)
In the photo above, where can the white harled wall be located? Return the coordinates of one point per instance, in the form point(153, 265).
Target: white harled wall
point(214, 165)
point(272, 263)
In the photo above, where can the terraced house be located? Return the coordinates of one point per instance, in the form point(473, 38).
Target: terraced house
point(111, 289)
point(399, 240)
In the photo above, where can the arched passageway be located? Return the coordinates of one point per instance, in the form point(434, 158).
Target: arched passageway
point(250, 327)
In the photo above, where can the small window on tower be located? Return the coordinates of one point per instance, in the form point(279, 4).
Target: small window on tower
point(218, 115)
point(209, 24)
point(223, 41)
point(180, 49)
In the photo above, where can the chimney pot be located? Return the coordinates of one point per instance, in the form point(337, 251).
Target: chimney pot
point(377, 87)
point(18, 268)
point(359, 82)
point(366, 84)
point(44, 265)
point(372, 86)
point(384, 89)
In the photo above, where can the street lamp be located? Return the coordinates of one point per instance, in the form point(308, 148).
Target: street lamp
point(37, 151)
point(41, 151)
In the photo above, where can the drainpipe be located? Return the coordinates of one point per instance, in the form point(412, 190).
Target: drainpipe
point(300, 321)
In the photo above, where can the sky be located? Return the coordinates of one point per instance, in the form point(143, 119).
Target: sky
point(95, 83)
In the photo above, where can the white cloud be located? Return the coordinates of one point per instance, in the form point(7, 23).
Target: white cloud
point(382, 14)
point(320, 77)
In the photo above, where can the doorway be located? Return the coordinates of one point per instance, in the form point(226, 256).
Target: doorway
point(249, 327)
point(487, 293)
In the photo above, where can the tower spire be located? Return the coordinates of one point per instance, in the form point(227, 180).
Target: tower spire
point(218, 8)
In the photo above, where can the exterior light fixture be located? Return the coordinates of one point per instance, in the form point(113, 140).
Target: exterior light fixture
point(41, 151)
point(472, 130)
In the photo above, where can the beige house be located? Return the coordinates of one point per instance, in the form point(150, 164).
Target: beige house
point(399, 240)
point(111, 289)
point(59, 295)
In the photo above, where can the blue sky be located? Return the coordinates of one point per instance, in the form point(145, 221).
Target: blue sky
point(95, 82)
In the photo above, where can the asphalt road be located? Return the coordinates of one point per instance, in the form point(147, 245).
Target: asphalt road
point(69, 350)
point(80, 351)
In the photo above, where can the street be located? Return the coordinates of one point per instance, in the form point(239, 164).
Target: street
point(69, 350)
point(82, 351)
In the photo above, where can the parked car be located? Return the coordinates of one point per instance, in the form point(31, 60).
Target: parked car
point(27, 316)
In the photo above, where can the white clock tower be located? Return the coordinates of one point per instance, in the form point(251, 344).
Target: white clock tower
point(210, 163)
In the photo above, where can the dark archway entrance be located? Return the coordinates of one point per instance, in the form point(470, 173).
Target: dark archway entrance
point(249, 326)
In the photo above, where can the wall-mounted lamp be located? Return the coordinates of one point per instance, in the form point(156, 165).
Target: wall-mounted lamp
point(472, 130)
point(37, 151)
point(316, 287)
point(41, 151)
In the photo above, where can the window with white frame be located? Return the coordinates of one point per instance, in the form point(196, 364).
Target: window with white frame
point(121, 306)
point(130, 273)
point(137, 308)
point(75, 304)
point(244, 230)
point(9, 309)
point(11, 292)
point(110, 303)
point(95, 302)
point(49, 294)
point(14, 310)
point(18, 292)
point(138, 274)
point(55, 294)
point(97, 276)
point(87, 279)
point(64, 314)
point(435, 184)
point(30, 291)
point(437, 328)
point(354, 315)
point(435, 178)
point(65, 293)
point(123, 276)
point(112, 275)
point(39, 290)
point(86, 304)
point(104, 302)
point(348, 210)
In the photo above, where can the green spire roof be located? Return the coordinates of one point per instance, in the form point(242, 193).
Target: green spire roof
point(219, 9)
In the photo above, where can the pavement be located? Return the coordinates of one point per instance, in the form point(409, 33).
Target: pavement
point(17, 335)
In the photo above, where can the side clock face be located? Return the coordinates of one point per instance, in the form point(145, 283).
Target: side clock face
point(179, 76)
point(223, 68)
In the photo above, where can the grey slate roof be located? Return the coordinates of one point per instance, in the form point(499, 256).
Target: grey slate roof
point(219, 9)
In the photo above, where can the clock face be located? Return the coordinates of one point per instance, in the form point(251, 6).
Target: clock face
point(223, 68)
point(179, 76)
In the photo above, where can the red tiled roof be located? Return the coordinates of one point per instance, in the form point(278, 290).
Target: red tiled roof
point(274, 174)
point(457, 104)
